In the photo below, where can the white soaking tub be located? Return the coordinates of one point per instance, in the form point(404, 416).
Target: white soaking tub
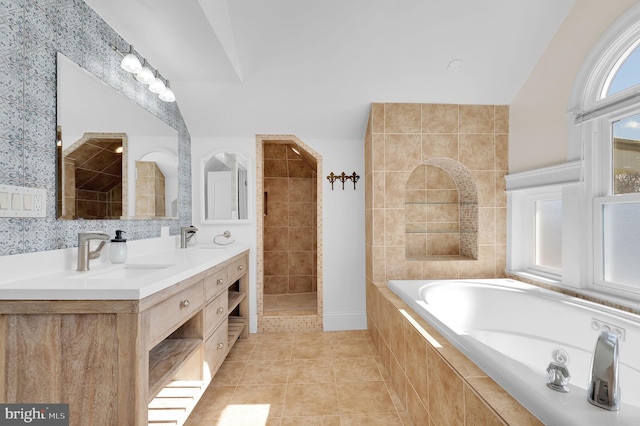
point(513, 330)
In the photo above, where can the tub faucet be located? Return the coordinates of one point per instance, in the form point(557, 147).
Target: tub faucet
point(603, 389)
point(186, 233)
point(84, 251)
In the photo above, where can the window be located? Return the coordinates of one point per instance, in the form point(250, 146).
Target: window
point(609, 136)
point(548, 235)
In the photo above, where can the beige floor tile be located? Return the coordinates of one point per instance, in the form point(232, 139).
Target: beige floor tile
point(241, 350)
point(311, 371)
point(311, 421)
point(213, 401)
point(273, 337)
point(314, 336)
point(352, 348)
point(318, 399)
point(265, 372)
point(254, 401)
point(272, 350)
point(362, 369)
point(379, 419)
point(229, 373)
point(347, 335)
point(364, 398)
point(311, 350)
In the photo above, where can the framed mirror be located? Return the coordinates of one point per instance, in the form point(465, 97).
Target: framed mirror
point(116, 160)
point(225, 183)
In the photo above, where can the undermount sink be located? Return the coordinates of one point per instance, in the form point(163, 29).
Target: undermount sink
point(129, 271)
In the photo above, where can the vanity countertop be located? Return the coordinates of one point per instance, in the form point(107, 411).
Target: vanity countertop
point(137, 278)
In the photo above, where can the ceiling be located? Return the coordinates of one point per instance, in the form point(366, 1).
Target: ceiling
point(312, 68)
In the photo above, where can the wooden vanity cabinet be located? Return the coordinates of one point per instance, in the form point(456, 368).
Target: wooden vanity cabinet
point(124, 362)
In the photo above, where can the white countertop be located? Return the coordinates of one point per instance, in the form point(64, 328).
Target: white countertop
point(137, 278)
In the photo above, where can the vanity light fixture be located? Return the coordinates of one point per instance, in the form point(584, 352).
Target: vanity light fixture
point(145, 76)
point(130, 62)
point(167, 94)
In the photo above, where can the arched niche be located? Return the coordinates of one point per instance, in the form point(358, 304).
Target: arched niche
point(441, 212)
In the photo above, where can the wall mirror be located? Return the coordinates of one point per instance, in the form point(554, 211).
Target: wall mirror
point(225, 195)
point(116, 160)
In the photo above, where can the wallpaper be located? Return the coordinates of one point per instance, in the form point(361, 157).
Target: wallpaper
point(31, 33)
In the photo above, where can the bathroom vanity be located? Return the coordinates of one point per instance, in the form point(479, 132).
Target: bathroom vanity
point(126, 345)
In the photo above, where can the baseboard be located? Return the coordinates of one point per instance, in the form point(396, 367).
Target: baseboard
point(344, 321)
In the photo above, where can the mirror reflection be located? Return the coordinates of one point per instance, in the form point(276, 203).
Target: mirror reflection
point(225, 187)
point(116, 160)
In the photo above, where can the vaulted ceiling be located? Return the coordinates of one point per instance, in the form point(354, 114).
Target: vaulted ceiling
point(312, 68)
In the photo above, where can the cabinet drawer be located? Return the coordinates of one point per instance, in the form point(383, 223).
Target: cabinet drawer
point(215, 312)
point(216, 347)
point(215, 283)
point(167, 315)
point(237, 268)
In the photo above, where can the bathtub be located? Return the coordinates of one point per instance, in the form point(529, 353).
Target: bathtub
point(512, 331)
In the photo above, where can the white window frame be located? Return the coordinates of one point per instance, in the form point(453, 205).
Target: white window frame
point(590, 121)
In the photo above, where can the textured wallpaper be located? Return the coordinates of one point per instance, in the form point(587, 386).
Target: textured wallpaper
point(31, 33)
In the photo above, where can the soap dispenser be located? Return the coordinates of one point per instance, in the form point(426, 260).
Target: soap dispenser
point(118, 248)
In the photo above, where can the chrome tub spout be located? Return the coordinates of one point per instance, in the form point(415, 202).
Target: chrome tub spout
point(604, 391)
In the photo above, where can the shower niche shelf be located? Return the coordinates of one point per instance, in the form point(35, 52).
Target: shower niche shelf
point(441, 212)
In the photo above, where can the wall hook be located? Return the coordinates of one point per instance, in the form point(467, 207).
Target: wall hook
point(332, 178)
point(343, 177)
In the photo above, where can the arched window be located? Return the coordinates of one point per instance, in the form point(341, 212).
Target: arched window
point(606, 131)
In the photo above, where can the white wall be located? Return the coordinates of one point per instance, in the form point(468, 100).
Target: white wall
point(343, 225)
point(537, 126)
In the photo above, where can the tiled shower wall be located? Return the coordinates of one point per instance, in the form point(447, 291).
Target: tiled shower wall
point(290, 225)
point(31, 33)
point(401, 137)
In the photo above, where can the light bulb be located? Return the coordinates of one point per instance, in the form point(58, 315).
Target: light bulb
point(145, 76)
point(157, 86)
point(130, 62)
point(167, 94)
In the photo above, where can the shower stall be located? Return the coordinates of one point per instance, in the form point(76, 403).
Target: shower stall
point(289, 296)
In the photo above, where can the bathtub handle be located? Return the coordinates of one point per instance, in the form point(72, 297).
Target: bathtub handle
point(603, 389)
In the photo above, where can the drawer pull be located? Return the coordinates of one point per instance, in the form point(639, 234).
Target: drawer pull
point(220, 346)
point(185, 304)
point(240, 267)
point(220, 281)
point(220, 310)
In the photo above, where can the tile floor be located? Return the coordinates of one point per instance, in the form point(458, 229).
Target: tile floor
point(286, 379)
point(290, 304)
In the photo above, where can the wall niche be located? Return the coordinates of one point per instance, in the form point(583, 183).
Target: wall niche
point(441, 212)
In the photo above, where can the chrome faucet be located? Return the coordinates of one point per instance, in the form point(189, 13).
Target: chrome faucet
point(186, 233)
point(84, 251)
point(603, 389)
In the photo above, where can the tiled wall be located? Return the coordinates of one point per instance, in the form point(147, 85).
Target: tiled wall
point(401, 137)
point(289, 226)
point(31, 33)
point(436, 383)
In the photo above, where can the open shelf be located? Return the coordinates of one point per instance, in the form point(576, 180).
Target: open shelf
point(166, 359)
point(235, 297)
point(236, 327)
point(174, 402)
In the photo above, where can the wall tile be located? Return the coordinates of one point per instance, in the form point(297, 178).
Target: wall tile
point(477, 119)
point(440, 145)
point(440, 118)
point(502, 119)
point(477, 151)
point(446, 407)
point(402, 152)
point(377, 118)
point(402, 118)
